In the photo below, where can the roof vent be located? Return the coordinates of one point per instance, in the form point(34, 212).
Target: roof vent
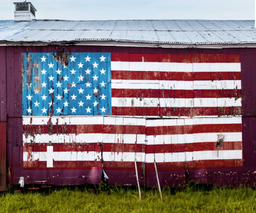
point(24, 11)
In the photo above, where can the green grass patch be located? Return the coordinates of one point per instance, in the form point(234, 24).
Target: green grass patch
point(105, 198)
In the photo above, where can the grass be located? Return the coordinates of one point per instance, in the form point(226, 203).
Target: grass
point(120, 199)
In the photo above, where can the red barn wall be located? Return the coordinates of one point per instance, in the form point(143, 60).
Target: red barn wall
point(11, 122)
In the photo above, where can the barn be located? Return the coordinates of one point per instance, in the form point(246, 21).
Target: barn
point(115, 100)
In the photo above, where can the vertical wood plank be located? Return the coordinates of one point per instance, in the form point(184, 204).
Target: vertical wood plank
point(2, 156)
point(3, 103)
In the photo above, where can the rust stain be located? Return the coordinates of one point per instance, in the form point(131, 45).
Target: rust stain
point(62, 58)
point(50, 126)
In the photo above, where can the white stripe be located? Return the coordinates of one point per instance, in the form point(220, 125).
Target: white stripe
point(176, 67)
point(175, 85)
point(42, 120)
point(194, 156)
point(130, 156)
point(176, 102)
point(219, 120)
point(194, 121)
point(85, 138)
point(192, 138)
point(82, 120)
point(85, 156)
point(132, 139)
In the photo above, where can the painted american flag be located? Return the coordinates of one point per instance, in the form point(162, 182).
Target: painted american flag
point(108, 98)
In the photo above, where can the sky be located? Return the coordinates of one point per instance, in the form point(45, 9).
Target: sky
point(136, 9)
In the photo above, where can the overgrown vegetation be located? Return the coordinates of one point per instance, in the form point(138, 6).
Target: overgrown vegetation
point(104, 198)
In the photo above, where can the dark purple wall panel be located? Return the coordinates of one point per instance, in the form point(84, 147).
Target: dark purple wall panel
point(3, 84)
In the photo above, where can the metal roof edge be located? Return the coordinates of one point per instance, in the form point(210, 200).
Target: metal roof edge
point(130, 44)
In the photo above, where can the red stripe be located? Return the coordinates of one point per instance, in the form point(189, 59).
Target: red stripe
point(82, 165)
point(193, 129)
point(178, 111)
point(34, 147)
point(180, 58)
point(78, 129)
point(129, 166)
point(178, 76)
point(158, 93)
point(63, 165)
point(201, 164)
point(120, 147)
point(192, 147)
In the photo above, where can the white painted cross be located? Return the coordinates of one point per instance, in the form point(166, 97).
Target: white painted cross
point(48, 156)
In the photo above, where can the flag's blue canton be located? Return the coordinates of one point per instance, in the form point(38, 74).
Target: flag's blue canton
point(81, 88)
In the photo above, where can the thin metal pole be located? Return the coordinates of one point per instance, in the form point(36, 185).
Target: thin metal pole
point(158, 183)
point(137, 177)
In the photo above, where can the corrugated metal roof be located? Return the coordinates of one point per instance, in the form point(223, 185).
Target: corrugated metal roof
point(183, 32)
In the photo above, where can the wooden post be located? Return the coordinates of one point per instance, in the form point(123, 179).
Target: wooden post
point(158, 183)
point(137, 177)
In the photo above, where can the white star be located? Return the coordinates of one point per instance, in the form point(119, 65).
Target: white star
point(58, 110)
point(80, 90)
point(80, 65)
point(44, 97)
point(88, 58)
point(95, 65)
point(73, 97)
point(103, 97)
point(58, 71)
point(65, 78)
point(81, 103)
point(66, 90)
point(58, 84)
point(36, 104)
point(73, 110)
point(88, 71)
point(29, 110)
point(66, 104)
point(73, 58)
point(51, 78)
point(95, 78)
point(51, 91)
point(102, 84)
point(58, 97)
point(88, 84)
point(73, 72)
point(29, 84)
point(29, 97)
point(43, 71)
point(102, 71)
point(73, 84)
point(80, 78)
point(65, 66)
point(103, 109)
point(50, 104)
point(51, 65)
point(102, 58)
point(36, 91)
point(88, 110)
point(43, 59)
point(88, 97)
point(95, 103)
point(44, 84)
point(95, 90)
point(44, 110)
